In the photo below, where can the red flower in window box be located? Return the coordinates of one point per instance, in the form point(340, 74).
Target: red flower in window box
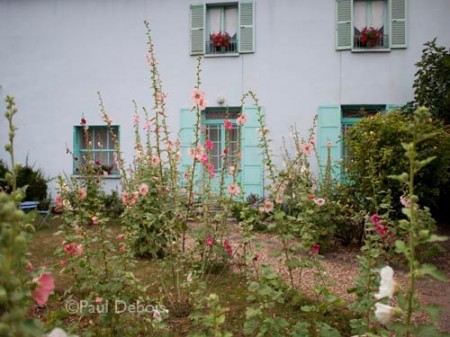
point(370, 37)
point(220, 39)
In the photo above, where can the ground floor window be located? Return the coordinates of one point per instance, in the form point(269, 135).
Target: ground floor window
point(95, 143)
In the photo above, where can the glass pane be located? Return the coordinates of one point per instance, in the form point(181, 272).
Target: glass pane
point(215, 15)
point(100, 138)
point(221, 114)
point(231, 14)
point(360, 111)
point(214, 134)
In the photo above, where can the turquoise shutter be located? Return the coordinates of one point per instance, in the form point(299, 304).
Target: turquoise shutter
point(252, 159)
point(197, 26)
point(398, 23)
point(344, 25)
point(77, 130)
point(246, 26)
point(329, 130)
point(187, 137)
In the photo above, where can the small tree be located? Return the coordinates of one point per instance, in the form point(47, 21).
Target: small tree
point(432, 81)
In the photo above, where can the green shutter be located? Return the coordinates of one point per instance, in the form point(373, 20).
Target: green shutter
point(398, 23)
point(197, 26)
point(246, 26)
point(187, 137)
point(344, 25)
point(252, 159)
point(329, 130)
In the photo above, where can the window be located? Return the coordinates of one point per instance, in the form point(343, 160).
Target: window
point(333, 123)
point(370, 25)
point(95, 144)
point(226, 28)
point(216, 133)
point(350, 115)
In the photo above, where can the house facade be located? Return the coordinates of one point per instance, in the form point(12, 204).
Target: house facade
point(338, 59)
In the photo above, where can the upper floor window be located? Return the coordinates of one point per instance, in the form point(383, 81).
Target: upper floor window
point(370, 25)
point(226, 28)
point(97, 145)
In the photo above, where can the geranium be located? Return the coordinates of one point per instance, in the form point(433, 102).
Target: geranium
point(242, 119)
point(234, 189)
point(143, 189)
point(220, 39)
point(45, 286)
point(370, 37)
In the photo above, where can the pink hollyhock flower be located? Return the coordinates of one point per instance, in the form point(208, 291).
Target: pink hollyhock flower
point(45, 286)
point(147, 126)
point(63, 262)
point(319, 201)
point(94, 220)
point(234, 189)
point(202, 104)
point(82, 193)
point(231, 169)
point(210, 241)
point(375, 219)
point(315, 249)
point(268, 206)
point(228, 125)
point(73, 249)
point(122, 248)
point(242, 119)
point(197, 96)
point(155, 160)
point(136, 119)
point(83, 121)
point(134, 197)
point(405, 201)
point(59, 201)
point(178, 156)
point(227, 247)
point(209, 145)
point(306, 148)
point(120, 237)
point(143, 189)
point(125, 198)
point(99, 300)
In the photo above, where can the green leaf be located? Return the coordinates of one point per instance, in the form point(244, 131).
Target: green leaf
point(400, 247)
point(429, 269)
point(435, 238)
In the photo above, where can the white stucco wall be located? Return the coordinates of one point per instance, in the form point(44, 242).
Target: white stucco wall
point(56, 54)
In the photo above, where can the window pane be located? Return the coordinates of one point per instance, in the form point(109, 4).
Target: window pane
point(214, 133)
point(100, 138)
point(215, 15)
point(221, 114)
point(231, 15)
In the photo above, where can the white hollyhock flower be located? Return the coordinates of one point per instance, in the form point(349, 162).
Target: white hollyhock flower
point(157, 315)
point(384, 312)
point(387, 283)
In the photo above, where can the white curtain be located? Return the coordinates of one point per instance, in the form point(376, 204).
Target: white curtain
point(231, 16)
point(215, 15)
point(368, 14)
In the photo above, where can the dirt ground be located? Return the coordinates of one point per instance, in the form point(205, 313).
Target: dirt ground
point(341, 267)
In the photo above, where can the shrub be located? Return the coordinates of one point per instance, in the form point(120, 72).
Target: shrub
point(375, 144)
point(36, 182)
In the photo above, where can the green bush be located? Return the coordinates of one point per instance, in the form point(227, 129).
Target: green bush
point(376, 153)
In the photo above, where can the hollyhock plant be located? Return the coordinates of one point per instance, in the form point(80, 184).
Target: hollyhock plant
point(227, 247)
point(228, 125)
point(120, 237)
point(209, 145)
point(197, 96)
point(268, 206)
point(234, 189)
point(315, 249)
point(210, 241)
point(306, 148)
point(45, 287)
point(242, 119)
point(155, 160)
point(143, 189)
point(319, 201)
point(387, 283)
point(73, 249)
point(94, 220)
point(82, 193)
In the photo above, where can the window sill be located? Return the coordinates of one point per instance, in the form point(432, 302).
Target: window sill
point(370, 50)
point(221, 55)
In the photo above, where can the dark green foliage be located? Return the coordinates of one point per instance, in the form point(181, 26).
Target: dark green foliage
point(36, 182)
point(376, 150)
point(3, 170)
point(432, 80)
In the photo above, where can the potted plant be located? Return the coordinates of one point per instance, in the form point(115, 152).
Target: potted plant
point(220, 41)
point(370, 37)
